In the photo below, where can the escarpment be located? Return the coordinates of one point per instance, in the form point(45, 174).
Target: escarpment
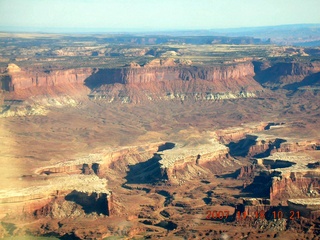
point(289, 75)
point(214, 74)
point(18, 83)
point(18, 79)
point(80, 189)
point(159, 79)
point(154, 82)
point(296, 186)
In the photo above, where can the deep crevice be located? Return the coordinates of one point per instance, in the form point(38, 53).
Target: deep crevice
point(274, 145)
point(90, 203)
point(242, 147)
point(146, 172)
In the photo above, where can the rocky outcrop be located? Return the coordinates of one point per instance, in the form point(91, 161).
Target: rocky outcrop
point(234, 134)
point(298, 146)
point(184, 162)
point(247, 172)
point(296, 186)
point(157, 71)
point(158, 81)
point(265, 148)
point(60, 204)
point(283, 74)
point(70, 188)
point(74, 204)
point(308, 208)
point(23, 79)
point(252, 209)
point(1, 98)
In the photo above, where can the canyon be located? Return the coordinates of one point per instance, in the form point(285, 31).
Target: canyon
point(153, 146)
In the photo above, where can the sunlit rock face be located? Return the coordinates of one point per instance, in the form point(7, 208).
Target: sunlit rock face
point(157, 80)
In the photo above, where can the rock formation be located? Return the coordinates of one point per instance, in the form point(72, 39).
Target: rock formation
point(38, 199)
point(158, 79)
point(283, 74)
point(24, 79)
point(294, 187)
point(308, 208)
point(158, 70)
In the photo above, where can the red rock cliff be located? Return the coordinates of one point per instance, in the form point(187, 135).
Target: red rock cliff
point(209, 73)
point(284, 73)
point(23, 79)
point(156, 73)
point(155, 82)
point(162, 80)
point(295, 186)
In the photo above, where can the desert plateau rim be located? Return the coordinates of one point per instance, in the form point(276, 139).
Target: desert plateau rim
point(158, 137)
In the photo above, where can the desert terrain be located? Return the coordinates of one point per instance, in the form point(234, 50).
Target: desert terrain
point(153, 137)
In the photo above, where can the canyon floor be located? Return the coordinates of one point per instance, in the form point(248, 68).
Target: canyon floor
point(99, 153)
point(128, 136)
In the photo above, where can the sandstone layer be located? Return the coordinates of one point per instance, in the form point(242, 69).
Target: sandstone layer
point(287, 74)
point(156, 80)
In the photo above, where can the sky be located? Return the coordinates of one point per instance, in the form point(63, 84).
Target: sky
point(153, 15)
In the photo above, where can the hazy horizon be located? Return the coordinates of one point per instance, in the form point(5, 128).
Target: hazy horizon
point(136, 30)
point(151, 16)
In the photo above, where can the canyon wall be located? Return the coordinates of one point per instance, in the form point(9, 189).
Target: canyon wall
point(265, 148)
point(308, 208)
point(295, 186)
point(44, 204)
point(187, 73)
point(234, 134)
point(179, 170)
point(282, 74)
point(163, 80)
point(17, 78)
point(152, 82)
point(147, 74)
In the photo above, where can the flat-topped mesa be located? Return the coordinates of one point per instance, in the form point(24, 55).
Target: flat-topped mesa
point(21, 84)
point(158, 79)
point(197, 155)
point(166, 80)
point(29, 200)
point(168, 71)
point(292, 178)
point(185, 162)
point(22, 79)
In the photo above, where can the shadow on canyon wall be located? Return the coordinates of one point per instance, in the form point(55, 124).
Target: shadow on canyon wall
point(104, 76)
point(311, 81)
point(274, 145)
point(90, 203)
point(149, 171)
point(242, 147)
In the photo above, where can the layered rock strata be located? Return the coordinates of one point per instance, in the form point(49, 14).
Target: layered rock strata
point(283, 74)
point(185, 162)
point(234, 134)
point(266, 145)
point(174, 82)
point(308, 208)
point(292, 178)
point(159, 79)
point(29, 200)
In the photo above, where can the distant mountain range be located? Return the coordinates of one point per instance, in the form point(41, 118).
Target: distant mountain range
point(294, 34)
